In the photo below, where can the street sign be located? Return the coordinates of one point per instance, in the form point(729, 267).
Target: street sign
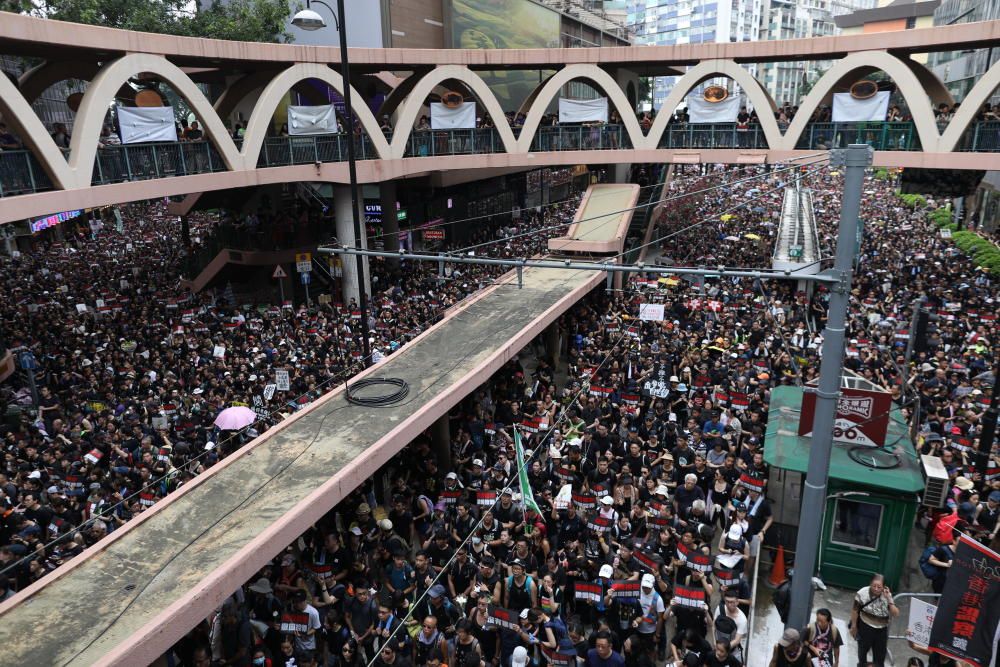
point(305, 278)
point(279, 272)
point(281, 379)
point(303, 262)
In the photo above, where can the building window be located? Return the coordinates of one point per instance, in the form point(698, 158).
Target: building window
point(857, 524)
point(911, 22)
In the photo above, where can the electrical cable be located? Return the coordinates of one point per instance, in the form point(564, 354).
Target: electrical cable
point(508, 486)
point(610, 215)
point(121, 613)
point(106, 512)
point(382, 400)
point(728, 210)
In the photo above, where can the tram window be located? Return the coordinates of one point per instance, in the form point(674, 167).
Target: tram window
point(857, 524)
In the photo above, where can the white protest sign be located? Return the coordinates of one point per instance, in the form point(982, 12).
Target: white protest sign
point(281, 379)
point(81, 307)
point(219, 351)
point(269, 391)
point(651, 312)
point(918, 628)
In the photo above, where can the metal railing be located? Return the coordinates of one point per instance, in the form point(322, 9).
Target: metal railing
point(21, 172)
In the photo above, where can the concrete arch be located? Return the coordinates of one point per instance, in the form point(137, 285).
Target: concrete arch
point(929, 81)
point(240, 88)
point(706, 70)
point(415, 100)
point(273, 93)
point(17, 112)
point(903, 76)
point(976, 98)
point(399, 94)
point(551, 88)
point(38, 79)
point(90, 117)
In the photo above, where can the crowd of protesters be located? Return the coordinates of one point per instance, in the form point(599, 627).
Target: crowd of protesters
point(650, 496)
point(133, 368)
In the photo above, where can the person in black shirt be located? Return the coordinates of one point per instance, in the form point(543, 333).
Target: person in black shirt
point(439, 550)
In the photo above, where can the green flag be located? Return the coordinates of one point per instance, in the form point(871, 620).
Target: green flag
point(522, 475)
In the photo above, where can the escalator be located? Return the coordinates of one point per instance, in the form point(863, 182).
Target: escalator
point(638, 230)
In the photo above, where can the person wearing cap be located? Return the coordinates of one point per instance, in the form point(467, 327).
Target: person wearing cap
point(474, 475)
point(987, 515)
point(461, 574)
point(871, 614)
point(648, 624)
point(790, 652)
point(437, 605)
point(305, 637)
point(390, 656)
point(519, 590)
point(519, 657)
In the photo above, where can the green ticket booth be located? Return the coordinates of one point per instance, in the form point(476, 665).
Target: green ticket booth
point(872, 496)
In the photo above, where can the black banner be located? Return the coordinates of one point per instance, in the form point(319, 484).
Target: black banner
point(968, 613)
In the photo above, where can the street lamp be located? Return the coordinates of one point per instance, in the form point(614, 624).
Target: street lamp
point(308, 19)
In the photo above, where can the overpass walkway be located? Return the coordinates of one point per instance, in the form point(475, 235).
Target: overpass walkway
point(129, 598)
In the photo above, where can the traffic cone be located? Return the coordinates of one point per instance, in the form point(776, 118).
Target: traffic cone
point(778, 569)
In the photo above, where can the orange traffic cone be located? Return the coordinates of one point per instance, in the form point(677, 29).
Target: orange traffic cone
point(778, 570)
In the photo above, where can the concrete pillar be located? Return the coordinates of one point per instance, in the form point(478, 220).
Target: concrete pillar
point(345, 234)
point(390, 224)
point(619, 173)
point(441, 437)
point(553, 347)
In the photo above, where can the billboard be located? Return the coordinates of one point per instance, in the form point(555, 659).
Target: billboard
point(862, 416)
point(505, 24)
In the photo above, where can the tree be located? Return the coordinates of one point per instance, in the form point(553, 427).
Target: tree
point(238, 20)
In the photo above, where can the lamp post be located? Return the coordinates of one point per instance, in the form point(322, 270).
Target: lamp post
point(309, 19)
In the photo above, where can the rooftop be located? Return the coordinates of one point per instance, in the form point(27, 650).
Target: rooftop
point(784, 448)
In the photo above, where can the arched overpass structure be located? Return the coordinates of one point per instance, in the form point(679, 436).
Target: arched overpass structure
point(44, 178)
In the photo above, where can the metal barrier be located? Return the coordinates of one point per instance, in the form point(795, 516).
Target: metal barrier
point(20, 171)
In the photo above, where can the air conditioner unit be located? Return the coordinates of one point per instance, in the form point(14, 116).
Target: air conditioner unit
point(935, 481)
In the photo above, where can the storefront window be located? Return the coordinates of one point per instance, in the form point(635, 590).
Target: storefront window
point(857, 524)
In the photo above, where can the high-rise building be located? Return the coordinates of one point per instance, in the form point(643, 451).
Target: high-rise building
point(668, 22)
point(665, 22)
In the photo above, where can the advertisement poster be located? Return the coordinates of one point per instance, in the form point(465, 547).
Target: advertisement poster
point(505, 24)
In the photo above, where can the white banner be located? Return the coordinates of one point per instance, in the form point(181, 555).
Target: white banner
point(312, 120)
point(701, 111)
point(462, 117)
point(651, 312)
point(847, 109)
point(583, 111)
point(918, 629)
point(141, 124)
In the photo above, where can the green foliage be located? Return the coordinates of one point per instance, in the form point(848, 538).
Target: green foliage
point(983, 251)
point(882, 174)
point(244, 21)
point(239, 20)
point(913, 201)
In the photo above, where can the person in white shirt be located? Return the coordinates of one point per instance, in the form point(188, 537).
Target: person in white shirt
point(731, 609)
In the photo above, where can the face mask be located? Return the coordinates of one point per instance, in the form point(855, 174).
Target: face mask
point(259, 661)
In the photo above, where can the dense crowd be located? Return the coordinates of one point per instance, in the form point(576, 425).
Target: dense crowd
point(133, 368)
point(650, 494)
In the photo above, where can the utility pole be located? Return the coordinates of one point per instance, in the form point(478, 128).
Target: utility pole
point(352, 171)
point(853, 160)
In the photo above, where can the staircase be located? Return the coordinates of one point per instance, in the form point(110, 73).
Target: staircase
point(641, 229)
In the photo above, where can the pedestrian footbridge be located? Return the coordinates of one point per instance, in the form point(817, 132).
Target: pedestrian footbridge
point(45, 177)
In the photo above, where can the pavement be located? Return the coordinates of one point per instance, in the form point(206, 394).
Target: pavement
point(767, 626)
point(152, 581)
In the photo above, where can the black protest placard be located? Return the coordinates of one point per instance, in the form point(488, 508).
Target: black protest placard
point(968, 613)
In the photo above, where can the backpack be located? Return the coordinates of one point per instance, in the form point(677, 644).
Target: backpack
point(930, 571)
point(925, 565)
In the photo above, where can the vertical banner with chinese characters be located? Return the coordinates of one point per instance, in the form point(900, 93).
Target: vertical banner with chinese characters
point(968, 615)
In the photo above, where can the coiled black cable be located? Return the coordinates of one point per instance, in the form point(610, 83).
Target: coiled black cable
point(380, 401)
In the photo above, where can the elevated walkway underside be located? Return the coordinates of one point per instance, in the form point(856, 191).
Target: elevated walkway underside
point(601, 221)
point(133, 595)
